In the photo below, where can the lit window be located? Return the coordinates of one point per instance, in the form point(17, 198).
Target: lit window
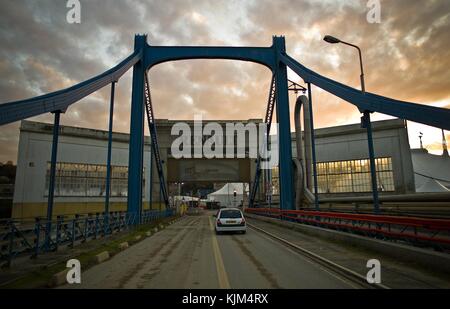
point(354, 176)
point(88, 180)
point(351, 176)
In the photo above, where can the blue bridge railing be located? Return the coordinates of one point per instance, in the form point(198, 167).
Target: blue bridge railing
point(25, 238)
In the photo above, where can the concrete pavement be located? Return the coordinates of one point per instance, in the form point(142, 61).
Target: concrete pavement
point(188, 254)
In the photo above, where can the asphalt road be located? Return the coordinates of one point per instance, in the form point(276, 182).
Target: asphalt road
point(188, 254)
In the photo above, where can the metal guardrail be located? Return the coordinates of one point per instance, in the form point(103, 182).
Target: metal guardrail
point(21, 238)
point(435, 232)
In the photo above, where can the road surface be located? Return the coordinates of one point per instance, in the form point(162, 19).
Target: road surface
point(188, 254)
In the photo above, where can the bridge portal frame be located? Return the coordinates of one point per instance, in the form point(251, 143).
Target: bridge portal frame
point(151, 56)
point(275, 58)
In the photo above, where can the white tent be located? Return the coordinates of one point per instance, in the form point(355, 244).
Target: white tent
point(225, 195)
point(432, 185)
point(431, 171)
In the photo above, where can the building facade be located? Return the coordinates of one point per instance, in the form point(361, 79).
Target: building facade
point(81, 169)
point(342, 168)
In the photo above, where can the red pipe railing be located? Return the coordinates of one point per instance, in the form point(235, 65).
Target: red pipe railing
point(436, 231)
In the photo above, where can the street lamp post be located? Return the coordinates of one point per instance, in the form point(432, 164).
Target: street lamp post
point(365, 123)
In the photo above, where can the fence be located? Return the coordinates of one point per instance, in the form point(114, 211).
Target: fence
point(21, 238)
point(434, 232)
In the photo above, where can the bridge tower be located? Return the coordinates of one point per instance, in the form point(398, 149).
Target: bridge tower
point(136, 150)
point(284, 129)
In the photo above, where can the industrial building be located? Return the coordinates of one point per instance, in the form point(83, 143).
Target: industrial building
point(342, 169)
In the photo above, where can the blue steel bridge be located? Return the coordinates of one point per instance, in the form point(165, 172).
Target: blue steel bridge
point(48, 234)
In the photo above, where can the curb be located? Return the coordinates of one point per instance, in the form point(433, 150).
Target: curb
point(123, 246)
point(101, 257)
point(58, 279)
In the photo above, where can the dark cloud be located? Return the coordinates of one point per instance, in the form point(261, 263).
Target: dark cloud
point(407, 56)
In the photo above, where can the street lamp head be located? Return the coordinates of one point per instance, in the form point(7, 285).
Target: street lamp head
point(331, 39)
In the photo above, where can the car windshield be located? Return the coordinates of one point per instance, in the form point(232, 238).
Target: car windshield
point(230, 214)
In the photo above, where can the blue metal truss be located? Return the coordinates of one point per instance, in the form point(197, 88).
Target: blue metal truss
point(268, 122)
point(275, 58)
point(154, 137)
point(153, 55)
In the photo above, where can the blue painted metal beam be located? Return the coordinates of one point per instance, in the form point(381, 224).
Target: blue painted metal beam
point(62, 99)
point(284, 130)
point(108, 158)
point(51, 186)
point(136, 149)
point(159, 54)
point(429, 115)
point(373, 167)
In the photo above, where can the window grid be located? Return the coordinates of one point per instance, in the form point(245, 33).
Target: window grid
point(348, 176)
point(88, 180)
point(354, 176)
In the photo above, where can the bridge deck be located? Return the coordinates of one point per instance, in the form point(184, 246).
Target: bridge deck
point(188, 254)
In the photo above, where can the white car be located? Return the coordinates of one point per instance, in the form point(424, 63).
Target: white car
point(230, 220)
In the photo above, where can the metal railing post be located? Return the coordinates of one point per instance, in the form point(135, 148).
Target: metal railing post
point(37, 231)
point(73, 230)
point(96, 226)
point(86, 230)
point(58, 231)
point(11, 243)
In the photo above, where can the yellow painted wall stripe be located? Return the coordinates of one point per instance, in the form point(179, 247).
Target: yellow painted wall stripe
point(224, 283)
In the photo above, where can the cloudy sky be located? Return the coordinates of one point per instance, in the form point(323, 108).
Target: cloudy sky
point(406, 56)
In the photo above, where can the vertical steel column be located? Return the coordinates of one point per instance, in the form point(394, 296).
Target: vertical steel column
point(108, 159)
point(135, 159)
point(150, 198)
point(373, 172)
point(313, 148)
point(284, 130)
point(51, 186)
